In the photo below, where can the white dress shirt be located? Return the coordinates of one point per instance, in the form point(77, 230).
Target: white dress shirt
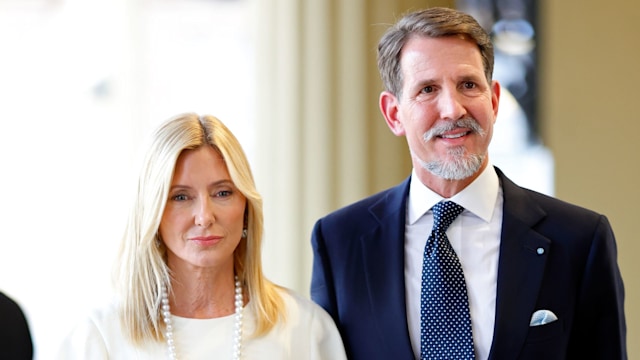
point(475, 237)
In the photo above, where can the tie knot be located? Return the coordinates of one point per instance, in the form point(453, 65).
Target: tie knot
point(444, 213)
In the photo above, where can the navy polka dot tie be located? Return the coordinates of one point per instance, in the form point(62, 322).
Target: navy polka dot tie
point(445, 323)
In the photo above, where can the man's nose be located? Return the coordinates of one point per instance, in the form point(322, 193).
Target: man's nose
point(450, 105)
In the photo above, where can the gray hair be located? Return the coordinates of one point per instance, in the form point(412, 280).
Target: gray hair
point(432, 22)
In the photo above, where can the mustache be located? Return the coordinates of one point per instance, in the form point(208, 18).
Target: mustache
point(444, 126)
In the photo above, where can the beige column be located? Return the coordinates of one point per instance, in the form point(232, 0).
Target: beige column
point(321, 141)
point(589, 112)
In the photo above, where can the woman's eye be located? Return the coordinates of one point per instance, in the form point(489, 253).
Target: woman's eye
point(179, 197)
point(223, 193)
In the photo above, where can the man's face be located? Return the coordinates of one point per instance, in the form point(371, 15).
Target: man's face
point(447, 108)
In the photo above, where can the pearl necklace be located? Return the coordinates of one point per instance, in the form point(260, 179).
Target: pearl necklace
point(237, 331)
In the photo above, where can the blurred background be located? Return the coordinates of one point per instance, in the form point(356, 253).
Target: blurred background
point(81, 81)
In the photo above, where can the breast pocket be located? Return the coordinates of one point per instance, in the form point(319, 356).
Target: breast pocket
point(545, 342)
point(545, 332)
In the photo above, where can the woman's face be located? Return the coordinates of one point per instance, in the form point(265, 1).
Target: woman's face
point(204, 216)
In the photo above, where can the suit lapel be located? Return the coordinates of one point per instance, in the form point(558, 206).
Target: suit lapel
point(520, 270)
point(383, 254)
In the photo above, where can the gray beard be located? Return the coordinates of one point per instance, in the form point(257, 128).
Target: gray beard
point(460, 167)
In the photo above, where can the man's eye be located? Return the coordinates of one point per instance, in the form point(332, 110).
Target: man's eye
point(427, 89)
point(469, 85)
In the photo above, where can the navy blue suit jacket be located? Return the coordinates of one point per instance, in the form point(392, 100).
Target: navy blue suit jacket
point(358, 277)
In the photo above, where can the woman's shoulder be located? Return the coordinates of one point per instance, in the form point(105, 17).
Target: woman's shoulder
point(308, 328)
point(303, 307)
point(99, 334)
point(91, 333)
point(98, 317)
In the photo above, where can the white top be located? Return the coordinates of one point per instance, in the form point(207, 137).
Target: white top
point(308, 333)
point(474, 236)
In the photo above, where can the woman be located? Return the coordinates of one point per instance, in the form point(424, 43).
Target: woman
point(190, 276)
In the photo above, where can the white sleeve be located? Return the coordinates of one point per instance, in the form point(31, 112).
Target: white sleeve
point(326, 343)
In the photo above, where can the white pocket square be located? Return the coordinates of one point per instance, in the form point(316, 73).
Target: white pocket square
point(542, 317)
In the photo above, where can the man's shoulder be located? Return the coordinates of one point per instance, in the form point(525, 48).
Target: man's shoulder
point(388, 197)
point(516, 196)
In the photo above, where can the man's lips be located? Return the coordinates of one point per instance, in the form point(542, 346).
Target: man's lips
point(453, 130)
point(453, 134)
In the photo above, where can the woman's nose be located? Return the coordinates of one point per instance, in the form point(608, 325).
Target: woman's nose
point(204, 214)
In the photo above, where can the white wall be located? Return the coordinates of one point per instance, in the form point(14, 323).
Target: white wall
point(81, 81)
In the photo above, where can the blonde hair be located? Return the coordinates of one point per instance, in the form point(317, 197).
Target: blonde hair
point(142, 270)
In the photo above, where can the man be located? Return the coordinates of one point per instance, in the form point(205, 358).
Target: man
point(540, 276)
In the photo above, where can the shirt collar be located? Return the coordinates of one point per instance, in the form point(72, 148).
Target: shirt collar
point(479, 197)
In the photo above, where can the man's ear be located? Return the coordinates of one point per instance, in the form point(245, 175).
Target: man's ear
point(389, 108)
point(495, 97)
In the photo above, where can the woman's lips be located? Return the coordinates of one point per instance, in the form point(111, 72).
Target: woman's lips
point(206, 240)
